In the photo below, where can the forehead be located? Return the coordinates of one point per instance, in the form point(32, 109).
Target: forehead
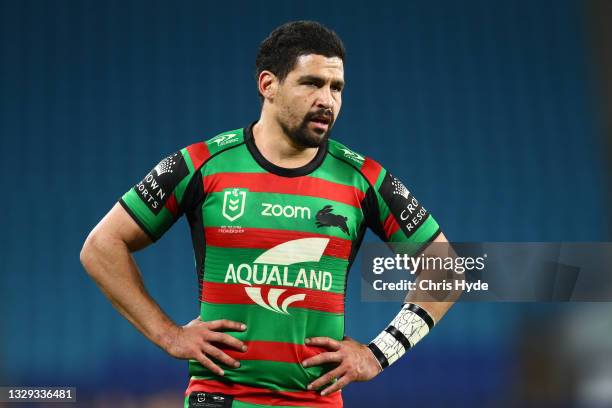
point(320, 65)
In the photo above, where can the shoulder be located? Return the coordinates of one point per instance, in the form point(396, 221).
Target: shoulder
point(200, 152)
point(369, 168)
point(343, 153)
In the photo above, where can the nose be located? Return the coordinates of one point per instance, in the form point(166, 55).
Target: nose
point(325, 99)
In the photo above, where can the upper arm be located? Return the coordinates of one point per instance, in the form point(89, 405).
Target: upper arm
point(117, 224)
point(116, 233)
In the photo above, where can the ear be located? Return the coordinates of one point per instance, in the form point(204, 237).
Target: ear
point(268, 85)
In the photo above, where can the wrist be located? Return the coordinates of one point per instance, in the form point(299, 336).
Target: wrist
point(374, 357)
point(167, 338)
point(409, 326)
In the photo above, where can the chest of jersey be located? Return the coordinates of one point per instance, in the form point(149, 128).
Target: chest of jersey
point(265, 201)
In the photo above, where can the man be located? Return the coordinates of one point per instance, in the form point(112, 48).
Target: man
point(277, 212)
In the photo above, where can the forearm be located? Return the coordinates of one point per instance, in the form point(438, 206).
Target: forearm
point(436, 310)
point(421, 310)
point(110, 264)
point(436, 302)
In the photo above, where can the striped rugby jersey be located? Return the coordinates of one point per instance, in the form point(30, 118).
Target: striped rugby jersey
point(273, 247)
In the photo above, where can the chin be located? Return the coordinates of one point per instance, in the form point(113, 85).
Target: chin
point(307, 138)
point(317, 139)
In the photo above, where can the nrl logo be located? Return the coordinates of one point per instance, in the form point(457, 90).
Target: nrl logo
point(223, 139)
point(352, 155)
point(233, 203)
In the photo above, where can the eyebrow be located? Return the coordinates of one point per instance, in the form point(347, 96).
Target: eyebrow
point(319, 80)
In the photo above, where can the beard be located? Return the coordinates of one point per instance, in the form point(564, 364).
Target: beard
point(304, 137)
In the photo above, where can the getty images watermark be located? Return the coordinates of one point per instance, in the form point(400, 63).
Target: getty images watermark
point(496, 271)
point(450, 265)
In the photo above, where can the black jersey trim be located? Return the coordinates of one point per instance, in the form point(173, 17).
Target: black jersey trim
point(194, 196)
point(431, 239)
point(355, 245)
point(372, 214)
point(137, 220)
point(282, 171)
point(393, 245)
point(198, 240)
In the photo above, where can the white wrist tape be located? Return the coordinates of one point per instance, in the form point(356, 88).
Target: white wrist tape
point(411, 324)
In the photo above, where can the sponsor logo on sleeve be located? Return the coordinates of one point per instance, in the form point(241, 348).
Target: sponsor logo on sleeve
point(157, 186)
point(408, 212)
point(399, 188)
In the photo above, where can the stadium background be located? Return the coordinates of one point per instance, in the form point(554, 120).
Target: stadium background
point(493, 114)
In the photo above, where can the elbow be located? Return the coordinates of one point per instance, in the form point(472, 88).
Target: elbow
point(85, 254)
point(100, 249)
point(89, 250)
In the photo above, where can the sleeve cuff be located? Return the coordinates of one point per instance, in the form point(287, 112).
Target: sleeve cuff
point(127, 208)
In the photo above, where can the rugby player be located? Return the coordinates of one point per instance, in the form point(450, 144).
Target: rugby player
point(277, 211)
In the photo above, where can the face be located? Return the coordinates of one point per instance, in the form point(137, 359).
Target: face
point(308, 101)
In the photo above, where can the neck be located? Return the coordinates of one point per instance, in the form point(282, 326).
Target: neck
point(276, 146)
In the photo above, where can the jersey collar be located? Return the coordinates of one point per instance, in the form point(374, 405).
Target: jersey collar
point(282, 171)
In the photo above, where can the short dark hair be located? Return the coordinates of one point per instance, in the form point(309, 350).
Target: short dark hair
point(280, 50)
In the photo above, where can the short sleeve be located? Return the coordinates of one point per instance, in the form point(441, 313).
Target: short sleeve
point(159, 199)
point(393, 212)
